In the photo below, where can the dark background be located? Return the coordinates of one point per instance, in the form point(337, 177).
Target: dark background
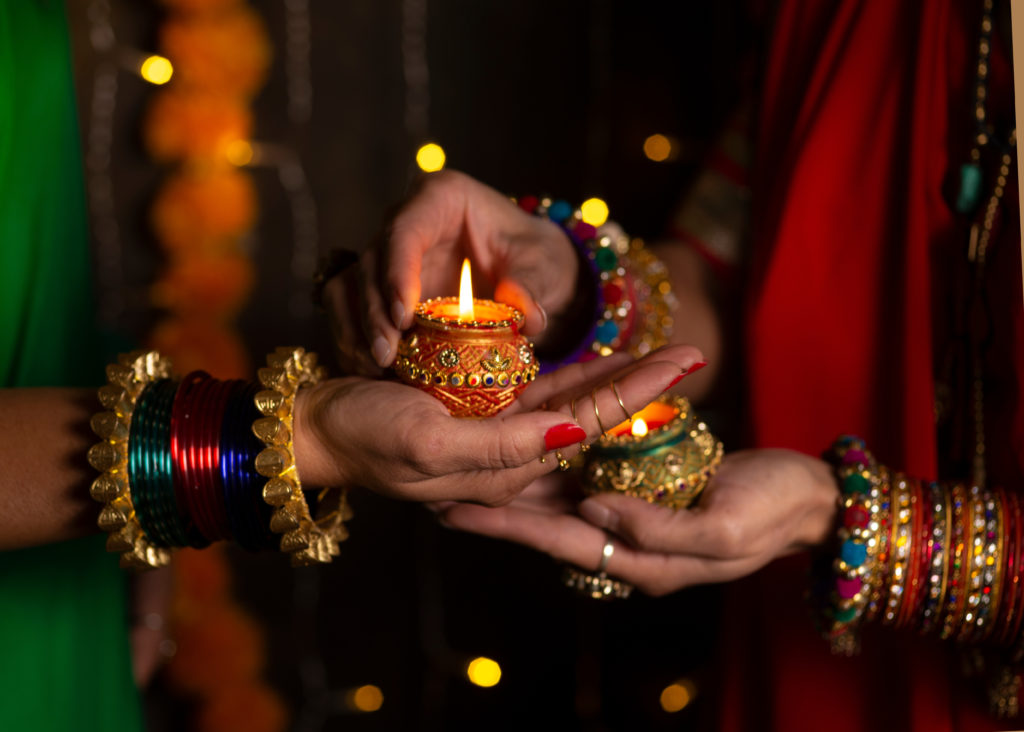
point(530, 97)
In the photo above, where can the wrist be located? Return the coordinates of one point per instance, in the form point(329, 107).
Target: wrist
point(316, 457)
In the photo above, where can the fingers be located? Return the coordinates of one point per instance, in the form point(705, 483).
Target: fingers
point(653, 528)
point(380, 332)
point(535, 317)
point(574, 378)
point(341, 298)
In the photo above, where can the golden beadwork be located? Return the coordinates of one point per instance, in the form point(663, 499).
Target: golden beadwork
point(309, 540)
point(476, 368)
point(671, 465)
point(127, 379)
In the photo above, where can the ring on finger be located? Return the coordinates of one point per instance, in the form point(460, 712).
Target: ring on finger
point(629, 417)
point(572, 408)
point(597, 413)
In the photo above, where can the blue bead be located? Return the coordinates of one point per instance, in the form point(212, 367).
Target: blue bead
point(559, 211)
point(853, 553)
point(606, 332)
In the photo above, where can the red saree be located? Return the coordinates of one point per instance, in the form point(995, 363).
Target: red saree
point(864, 109)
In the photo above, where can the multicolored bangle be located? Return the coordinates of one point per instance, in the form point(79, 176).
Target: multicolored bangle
point(633, 301)
point(182, 463)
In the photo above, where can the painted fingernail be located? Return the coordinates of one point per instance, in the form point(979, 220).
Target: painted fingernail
point(398, 314)
point(563, 435)
point(696, 367)
point(598, 515)
point(381, 350)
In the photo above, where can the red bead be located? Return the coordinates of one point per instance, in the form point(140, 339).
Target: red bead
point(612, 293)
point(856, 517)
point(529, 203)
point(584, 230)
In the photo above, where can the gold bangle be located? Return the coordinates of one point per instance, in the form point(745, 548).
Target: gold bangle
point(127, 379)
point(309, 540)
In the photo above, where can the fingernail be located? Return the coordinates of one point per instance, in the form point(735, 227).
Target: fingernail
point(696, 367)
point(381, 350)
point(398, 314)
point(599, 515)
point(563, 435)
point(543, 315)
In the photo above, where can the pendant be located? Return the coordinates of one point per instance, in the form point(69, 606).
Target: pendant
point(970, 188)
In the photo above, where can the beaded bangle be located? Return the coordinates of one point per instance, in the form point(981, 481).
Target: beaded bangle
point(308, 540)
point(990, 567)
point(855, 569)
point(957, 589)
point(633, 299)
point(902, 542)
point(938, 566)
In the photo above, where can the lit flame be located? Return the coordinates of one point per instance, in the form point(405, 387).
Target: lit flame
point(639, 427)
point(466, 293)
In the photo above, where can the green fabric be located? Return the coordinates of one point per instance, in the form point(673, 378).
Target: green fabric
point(64, 653)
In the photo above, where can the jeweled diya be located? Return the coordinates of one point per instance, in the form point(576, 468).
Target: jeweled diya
point(663, 454)
point(466, 352)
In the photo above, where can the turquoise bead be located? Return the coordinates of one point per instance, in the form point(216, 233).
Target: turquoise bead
point(970, 188)
point(606, 332)
point(853, 553)
point(559, 211)
point(606, 259)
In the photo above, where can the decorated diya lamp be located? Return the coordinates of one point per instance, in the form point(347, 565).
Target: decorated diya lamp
point(468, 353)
point(664, 455)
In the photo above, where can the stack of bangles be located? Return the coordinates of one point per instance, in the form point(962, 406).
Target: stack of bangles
point(632, 294)
point(941, 558)
point(192, 461)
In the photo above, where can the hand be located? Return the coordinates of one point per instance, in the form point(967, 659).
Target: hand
point(401, 442)
point(527, 261)
point(761, 505)
point(151, 603)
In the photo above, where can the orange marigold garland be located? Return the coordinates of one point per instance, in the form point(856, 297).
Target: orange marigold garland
point(220, 52)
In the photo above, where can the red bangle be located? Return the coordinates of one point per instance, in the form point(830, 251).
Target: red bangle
point(1012, 585)
point(182, 427)
point(211, 409)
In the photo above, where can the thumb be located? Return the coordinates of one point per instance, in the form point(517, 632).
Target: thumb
point(509, 290)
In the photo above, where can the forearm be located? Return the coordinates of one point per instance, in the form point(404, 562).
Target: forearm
point(44, 487)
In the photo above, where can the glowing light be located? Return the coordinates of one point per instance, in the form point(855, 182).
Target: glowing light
point(675, 697)
point(658, 148)
point(639, 428)
point(595, 211)
point(430, 158)
point(466, 293)
point(484, 672)
point(239, 152)
point(367, 698)
point(156, 70)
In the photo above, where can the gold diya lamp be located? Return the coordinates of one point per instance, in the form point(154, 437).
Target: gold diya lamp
point(663, 454)
point(466, 352)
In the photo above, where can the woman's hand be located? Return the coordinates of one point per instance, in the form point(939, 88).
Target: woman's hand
point(401, 442)
point(526, 261)
point(761, 505)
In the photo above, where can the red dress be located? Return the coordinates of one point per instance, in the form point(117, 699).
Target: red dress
point(864, 109)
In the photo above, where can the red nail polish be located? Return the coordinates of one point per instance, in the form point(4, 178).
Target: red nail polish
point(696, 367)
point(563, 435)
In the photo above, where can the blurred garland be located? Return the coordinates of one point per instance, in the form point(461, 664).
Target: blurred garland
point(199, 125)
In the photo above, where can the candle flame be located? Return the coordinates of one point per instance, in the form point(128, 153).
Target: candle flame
point(466, 293)
point(639, 428)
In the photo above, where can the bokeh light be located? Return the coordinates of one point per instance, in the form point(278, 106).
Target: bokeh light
point(430, 157)
point(658, 148)
point(483, 672)
point(595, 211)
point(676, 697)
point(239, 152)
point(367, 698)
point(156, 70)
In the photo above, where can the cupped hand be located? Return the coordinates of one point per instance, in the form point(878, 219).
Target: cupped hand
point(517, 258)
point(761, 505)
point(401, 442)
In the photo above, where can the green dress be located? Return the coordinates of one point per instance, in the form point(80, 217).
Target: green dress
point(64, 653)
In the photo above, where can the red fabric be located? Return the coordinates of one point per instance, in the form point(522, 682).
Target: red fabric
point(864, 110)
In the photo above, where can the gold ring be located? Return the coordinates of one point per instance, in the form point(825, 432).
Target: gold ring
point(629, 417)
point(572, 408)
point(597, 414)
point(606, 554)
